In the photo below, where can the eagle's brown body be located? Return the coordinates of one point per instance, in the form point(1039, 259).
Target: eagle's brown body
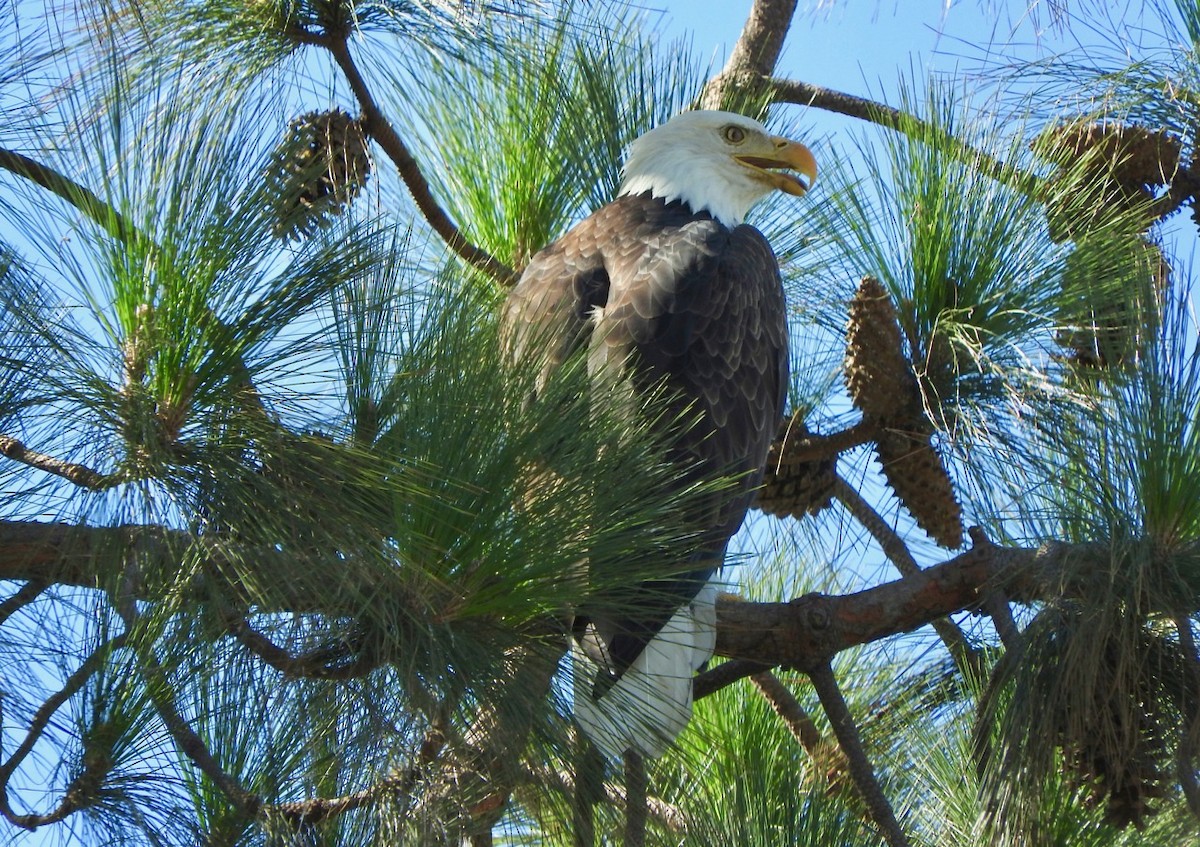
point(668, 291)
point(679, 300)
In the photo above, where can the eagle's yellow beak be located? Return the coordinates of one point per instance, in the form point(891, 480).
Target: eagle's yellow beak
point(787, 155)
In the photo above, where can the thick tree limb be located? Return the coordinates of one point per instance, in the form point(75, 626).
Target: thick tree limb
point(813, 628)
point(754, 56)
point(801, 633)
point(898, 554)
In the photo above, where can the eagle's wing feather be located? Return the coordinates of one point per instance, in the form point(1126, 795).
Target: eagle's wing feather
point(715, 331)
point(548, 313)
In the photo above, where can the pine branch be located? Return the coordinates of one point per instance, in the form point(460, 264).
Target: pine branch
point(376, 125)
point(114, 223)
point(861, 770)
point(815, 627)
point(21, 598)
point(77, 195)
point(502, 725)
point(315, 664)
point(1184, 184)
point(725, 674)
point(663, 813)
point(815, 96)
point(317, 809)
point(815, 447)
point(802, 632)
point(308, 812)
point(785, 704)
point(162, 695)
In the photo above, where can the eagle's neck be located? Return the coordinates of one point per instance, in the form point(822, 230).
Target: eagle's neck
point(725, 196)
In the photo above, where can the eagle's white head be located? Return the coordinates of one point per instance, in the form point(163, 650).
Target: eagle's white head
point(718, 162)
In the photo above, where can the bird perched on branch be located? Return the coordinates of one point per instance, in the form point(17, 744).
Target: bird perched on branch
point(667, 287)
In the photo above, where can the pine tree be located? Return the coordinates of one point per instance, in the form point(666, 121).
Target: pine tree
point(286, 560)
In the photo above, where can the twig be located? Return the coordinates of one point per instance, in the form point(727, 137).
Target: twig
point(789, 709)
point(814, 447)
point(1185, 184)
point(81, 475)
point(376, 125)
point(635, 799)
point(317, 809)
point(22, 597)
point(37, 726)
point(723, 675)
point(77, 195)
point(502, 726)
point(313, 665)
point(897, 552)
point(162, 695)
point(806, 94)
point(860, 766)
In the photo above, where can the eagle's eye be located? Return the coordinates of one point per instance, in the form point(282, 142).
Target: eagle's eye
point(733, 134)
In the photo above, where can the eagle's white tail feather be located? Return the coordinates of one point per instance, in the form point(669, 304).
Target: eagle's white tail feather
point(652, 701)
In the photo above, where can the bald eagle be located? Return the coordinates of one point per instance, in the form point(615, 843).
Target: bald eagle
point(667, 287)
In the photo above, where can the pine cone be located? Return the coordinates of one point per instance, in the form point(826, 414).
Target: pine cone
point(1127, 154)
point(916, 474)
point(1122, 166)
point(318, 169)
point(794, 487)
point(878, 376)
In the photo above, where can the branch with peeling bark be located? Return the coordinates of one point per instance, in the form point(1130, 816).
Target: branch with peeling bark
point(811, 629)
